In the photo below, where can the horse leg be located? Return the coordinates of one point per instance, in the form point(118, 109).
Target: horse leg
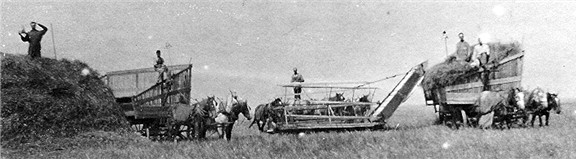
point(229, 131)
point(547, 117)
point(261, 125)
point(198, 129)
point(540, 119)
point(533, 116)
point(220, 128)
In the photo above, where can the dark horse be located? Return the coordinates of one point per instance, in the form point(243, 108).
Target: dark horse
point(203, 112)
point(341, 110)
point(498, 107)
point(360, 110)
point(225, 120)
point(264, 113)
point(540, 103)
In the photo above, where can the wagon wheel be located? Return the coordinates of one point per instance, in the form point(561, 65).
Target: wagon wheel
point(139, 128)
point(177, 132)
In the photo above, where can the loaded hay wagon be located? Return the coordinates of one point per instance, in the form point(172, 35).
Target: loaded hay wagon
point(151, 105)
point(453, 87)
point(332, 113)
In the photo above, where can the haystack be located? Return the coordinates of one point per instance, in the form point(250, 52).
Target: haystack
point(47, 98)
point(452, 70)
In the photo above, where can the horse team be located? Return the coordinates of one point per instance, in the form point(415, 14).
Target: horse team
point(492, 108)
point(513, 106)
point(208, 114)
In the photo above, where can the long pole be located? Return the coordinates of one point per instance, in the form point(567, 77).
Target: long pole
point(445, 42)
point(53, 44)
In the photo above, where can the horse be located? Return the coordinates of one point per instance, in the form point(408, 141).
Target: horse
point(264, 113)
point(225, 120)
point(501, 104)
point(359, 110)
point(341, 110)
point(203, 112)
point(540, 103)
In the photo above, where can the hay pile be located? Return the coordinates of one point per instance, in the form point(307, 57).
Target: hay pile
point(452, 70)
point(47, 98)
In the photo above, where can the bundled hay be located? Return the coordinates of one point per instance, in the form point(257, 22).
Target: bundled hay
point(45, 98)
point(451, 70)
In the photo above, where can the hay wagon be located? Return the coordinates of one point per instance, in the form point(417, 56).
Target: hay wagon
point(454, 102)
point(325, 114)
point(149, 104)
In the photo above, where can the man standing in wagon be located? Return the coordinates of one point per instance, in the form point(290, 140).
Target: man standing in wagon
point(296, 77)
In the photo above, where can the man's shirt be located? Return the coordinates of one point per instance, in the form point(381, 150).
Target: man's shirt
point(462, 50)
point(297, 78)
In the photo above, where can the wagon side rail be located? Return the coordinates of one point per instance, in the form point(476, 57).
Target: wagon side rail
point(155, 101)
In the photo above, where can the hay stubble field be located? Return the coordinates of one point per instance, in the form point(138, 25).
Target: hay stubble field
point(412, 134)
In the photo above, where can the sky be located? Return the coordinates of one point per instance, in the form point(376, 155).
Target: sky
point(251, 46)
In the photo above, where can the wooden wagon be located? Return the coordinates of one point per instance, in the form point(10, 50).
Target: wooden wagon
point(325, 114)
point(454, 102)
point(150, 105)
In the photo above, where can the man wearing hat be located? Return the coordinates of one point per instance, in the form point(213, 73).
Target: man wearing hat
point(296, 77)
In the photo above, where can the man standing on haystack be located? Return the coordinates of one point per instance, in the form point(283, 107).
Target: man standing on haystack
point(297, 78)
point(480, 58)
point(33, 37)
point(462, 49)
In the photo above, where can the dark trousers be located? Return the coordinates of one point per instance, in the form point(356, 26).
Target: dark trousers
point(297, 91)
point(485, 75)
point(34, 51)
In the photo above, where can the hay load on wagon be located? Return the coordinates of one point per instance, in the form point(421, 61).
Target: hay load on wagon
point(454, 86)
point(452, 70)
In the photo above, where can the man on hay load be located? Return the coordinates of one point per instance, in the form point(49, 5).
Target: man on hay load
point(462, 49)
point(479, 59)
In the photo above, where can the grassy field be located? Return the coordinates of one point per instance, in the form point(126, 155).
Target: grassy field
point(414, 137)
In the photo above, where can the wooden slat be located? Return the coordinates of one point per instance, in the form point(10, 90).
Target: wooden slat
point(463, 86)
point(290, 127)
point(461, 98)
point(320, 86)
point(144, 70)
point(142, 112)
point(479, 84)
point(313, 107)
point(155, 97)
point(327, 117)
point(321, 102)
point(510, 58)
